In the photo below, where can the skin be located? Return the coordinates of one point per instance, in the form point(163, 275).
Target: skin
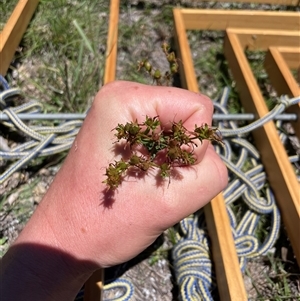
point(80, 226)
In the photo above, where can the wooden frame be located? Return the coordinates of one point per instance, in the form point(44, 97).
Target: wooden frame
point(216, 19)
point(273, 155)
point(264, 31)
point(13, 31)
point(278, 62)
point(278, 71)
point(257, 39)
point(112, 43)
point(291, 55)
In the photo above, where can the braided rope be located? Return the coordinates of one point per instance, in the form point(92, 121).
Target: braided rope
point(123, 284)
point(43, 140)
point(125, 291)
point(247, 183)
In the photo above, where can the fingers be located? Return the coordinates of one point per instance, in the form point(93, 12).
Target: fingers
point(198, 186)
point(163, 204)
point(170, 104)
point(121, 102)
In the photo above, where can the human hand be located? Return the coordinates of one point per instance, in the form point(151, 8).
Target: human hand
point(108, 227)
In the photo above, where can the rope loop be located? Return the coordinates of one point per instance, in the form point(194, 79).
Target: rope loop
point(125, 285)
point(192, 264)
point(4, 83)
point(247, 185)
point(59, 138)
point(284, 100)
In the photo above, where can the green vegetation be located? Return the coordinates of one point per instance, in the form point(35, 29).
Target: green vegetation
point(61, 57)
point(6, 8)
point(156, 142)
point(275, 282)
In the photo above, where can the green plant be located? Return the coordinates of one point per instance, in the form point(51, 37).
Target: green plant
point(158, 77)
point(62, 56)
point(6, 8)
point(275, 282)
point(175, 145)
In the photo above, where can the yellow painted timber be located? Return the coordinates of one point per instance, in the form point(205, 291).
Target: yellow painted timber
point(112, 43)
point(291, 55)
point(256, 39)
point(229, 277)
point(93, 288)
point(186, 66)
point(283, 82)
point(213, 19)
point(280, 173)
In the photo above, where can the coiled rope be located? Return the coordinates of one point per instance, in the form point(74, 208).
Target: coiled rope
point(191, 255)
point(41, 140)
point(247, 183)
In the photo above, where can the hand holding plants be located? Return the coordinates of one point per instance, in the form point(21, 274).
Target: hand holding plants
point(81, 218)
point(112, 226)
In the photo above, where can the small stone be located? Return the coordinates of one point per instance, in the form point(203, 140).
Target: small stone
point(12, 198)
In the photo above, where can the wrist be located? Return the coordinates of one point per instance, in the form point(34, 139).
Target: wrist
point(37, 272)
point(43, 264)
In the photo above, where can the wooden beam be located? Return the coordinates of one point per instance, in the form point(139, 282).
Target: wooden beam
point(213, 19)
point(13, 31)
point(93, 288)
point(280, 173)
point(112, 43)
point(279, 73)
point(255, 39)
point(229, 276)
point(274, 2)
point(291, 56)
point(186, 66)
point(283, 82)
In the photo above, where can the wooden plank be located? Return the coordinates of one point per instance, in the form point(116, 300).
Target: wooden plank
point(291, 56)
point(186, 66)
point(274, 2)
point(280, 74)
point(229, 276)
point(112, 43)
point(283, 82)
point(93, 288)
point(273, 155)
point(13, 31)
point(255, 39)
point(213, 19)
